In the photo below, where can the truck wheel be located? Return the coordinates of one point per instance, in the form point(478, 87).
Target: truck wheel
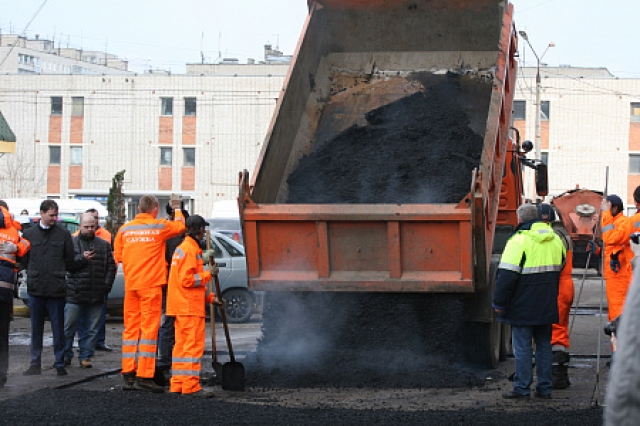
point(239, 305)
point(506, 348)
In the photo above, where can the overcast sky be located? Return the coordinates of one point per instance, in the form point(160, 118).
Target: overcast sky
point(167, 34)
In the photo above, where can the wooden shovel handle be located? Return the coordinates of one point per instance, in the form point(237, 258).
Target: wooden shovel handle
point(212, 316)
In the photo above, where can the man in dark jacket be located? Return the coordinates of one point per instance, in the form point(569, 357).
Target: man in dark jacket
point(87, 289)
point(526, 297)
point(47, 263)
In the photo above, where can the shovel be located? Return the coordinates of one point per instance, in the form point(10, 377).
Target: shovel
point(217, 366)
point(232, 371)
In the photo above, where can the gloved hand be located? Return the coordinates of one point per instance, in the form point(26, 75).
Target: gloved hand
point(635, 237)
point(209, 297)
point(206, 255)
point(592, 247)
point(9, 247)
point(214, 269)
point(614, 263)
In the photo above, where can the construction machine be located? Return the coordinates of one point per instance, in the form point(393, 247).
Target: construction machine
point(394, 211)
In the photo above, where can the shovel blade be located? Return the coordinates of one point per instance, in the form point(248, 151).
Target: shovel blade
point(233, 376)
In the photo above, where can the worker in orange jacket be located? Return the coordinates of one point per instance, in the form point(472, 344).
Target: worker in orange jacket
point(186, 296)
point(560, 331)
point(11, 246)
point(634, 221)
point(617, 253)
point(140, 246)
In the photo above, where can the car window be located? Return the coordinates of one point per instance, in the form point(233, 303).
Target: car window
point(233, 252)
point(224, 224)
point(71, 226)
point(217, 251)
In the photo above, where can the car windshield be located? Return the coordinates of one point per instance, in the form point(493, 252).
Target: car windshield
point(224, 224)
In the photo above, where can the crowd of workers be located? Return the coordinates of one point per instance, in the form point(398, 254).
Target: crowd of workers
point(69, 278)
point(534, 290)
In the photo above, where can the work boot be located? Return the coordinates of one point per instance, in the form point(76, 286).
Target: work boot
point(67, 362)
point(61, 371)
point(561, 357)
point(515, 395)
point(128, 381)
point(560, 376)
point(86, 363)
point(33, 370)
point(104, 347)
point(202, 393)
point(147, 385)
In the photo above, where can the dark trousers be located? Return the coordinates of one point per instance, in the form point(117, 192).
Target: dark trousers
point(38, 307)
point(5, 319)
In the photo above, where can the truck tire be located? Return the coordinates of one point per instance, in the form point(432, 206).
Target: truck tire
point(239, 305)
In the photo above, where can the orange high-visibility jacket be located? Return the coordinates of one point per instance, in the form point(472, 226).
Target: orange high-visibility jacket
point(188, 281)
point(8, 233)
point(140, 246)
point(615, 235)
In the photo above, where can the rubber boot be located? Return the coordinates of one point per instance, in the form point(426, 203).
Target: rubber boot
point(147, 385)
point(560, 376)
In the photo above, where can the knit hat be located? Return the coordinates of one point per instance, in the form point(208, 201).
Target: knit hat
point(546, 213)
point(615, 200)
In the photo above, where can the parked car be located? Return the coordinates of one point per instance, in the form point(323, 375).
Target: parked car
point(228, 226)
point(229, 256)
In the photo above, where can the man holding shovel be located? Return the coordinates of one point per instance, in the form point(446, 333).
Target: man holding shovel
point(186, 297)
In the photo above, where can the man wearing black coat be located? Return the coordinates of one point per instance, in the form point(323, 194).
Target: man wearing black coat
point(47, 263)
point(87, 289)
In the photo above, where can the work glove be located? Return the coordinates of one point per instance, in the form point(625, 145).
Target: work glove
point(614, 263)
point(214, 269)
point(8, 247)
point(592, 247)
point(206, 255)
point(635, 237)
point(209, 297)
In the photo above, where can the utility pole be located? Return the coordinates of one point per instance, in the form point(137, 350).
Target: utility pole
point(538, 89)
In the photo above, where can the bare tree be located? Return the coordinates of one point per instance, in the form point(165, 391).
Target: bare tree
point(116, 204)
point(19, 176)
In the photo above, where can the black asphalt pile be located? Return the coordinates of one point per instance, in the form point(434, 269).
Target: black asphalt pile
point(372, 340)
point(75, 407)
point(419, 149)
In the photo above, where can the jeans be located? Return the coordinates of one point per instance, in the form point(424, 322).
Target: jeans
point(90, 315)
point(5, 319)
point(38, 308)
point(522, 349)
point(166, 335)
point(100, 341)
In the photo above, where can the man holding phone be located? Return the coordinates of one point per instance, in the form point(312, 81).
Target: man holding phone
point(87, 287)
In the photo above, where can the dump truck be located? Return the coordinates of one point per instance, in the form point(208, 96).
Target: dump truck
point(389, 165)
point(579, 210)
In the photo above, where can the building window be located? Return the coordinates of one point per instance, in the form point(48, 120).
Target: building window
point(166, 156)
point(519, 110)
point(544, 110)
point(76, 156)
point(189, 157)
point(189, 106)
point(77, 107)
point(56, 105)
point(54, 155)
point(634, 164)
point(635, 111)
point(167, 106)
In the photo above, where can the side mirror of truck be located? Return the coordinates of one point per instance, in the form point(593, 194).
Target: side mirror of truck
point(542, 180)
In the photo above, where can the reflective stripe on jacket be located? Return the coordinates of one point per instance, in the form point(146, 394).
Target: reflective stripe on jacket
point(187, 281)
point(528, 276)
point(140, 246)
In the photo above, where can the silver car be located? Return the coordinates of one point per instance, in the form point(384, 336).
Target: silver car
point(229, 256)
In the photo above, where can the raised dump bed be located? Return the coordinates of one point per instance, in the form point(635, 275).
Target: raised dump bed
point(384, 166)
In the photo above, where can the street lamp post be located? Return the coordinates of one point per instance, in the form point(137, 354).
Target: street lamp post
point(538, 88)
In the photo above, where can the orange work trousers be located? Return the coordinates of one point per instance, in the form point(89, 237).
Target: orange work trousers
point(560, 331)
point(616, 288)
point(187, 354)
point(142, 311)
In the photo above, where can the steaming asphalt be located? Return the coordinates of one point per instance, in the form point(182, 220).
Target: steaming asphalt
point(94, 395)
